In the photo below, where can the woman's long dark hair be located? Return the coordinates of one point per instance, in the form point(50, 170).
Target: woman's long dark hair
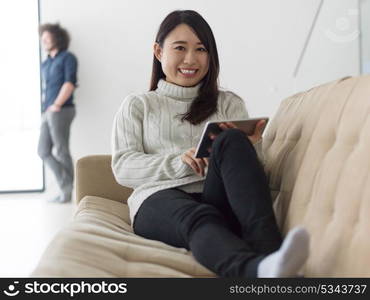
point(205, 104)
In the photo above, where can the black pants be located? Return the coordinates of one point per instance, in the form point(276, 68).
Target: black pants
point(231, 226)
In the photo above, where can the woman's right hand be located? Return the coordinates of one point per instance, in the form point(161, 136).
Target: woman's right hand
point(197, 164)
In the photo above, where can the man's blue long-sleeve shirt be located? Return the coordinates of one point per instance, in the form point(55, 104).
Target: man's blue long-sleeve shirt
point(55, 72)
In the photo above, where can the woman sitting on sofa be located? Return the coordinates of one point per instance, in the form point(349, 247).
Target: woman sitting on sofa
point(219, 208)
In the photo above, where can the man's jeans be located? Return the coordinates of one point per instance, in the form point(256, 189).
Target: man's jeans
point(231, 226)
point(54, 133)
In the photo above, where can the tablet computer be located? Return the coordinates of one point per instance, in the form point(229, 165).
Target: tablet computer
point(246, 125)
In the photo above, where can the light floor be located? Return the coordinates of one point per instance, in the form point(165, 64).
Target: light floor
point(27, 224)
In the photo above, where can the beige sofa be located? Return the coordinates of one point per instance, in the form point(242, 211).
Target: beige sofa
point(318, 164)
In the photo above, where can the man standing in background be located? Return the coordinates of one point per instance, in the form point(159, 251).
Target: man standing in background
point(59, 78)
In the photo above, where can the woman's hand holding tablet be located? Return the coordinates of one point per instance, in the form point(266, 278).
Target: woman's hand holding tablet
point(253, 129)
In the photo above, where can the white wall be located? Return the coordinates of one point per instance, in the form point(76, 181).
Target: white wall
point(259, 43)
point(365, 35)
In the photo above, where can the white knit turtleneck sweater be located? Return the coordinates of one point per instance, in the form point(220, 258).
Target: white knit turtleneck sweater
point(148, 139)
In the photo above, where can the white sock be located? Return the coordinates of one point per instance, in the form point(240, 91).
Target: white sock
point(287, 261)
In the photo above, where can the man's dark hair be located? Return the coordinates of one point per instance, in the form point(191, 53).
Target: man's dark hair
point(60, 35)
point(205, 104)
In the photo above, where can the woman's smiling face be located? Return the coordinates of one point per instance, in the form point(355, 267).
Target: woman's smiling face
point(184, 58)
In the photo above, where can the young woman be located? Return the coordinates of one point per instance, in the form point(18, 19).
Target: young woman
point(220, 208)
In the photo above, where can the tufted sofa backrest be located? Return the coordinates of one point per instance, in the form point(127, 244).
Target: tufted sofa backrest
point(317, 149)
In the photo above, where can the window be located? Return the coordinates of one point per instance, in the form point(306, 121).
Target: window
point(20, 97)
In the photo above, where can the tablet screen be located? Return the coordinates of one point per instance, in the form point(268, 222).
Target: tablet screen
point(205, 143)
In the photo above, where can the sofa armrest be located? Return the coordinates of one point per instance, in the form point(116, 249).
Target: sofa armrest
point(94, 177)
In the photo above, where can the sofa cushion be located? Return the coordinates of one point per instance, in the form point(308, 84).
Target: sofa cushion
point(99, 242)
point(317, 150)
